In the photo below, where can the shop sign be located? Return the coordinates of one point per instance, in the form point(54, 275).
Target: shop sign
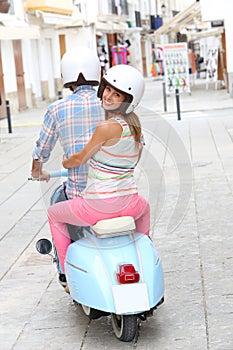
point(176, 67)
point(215, 24)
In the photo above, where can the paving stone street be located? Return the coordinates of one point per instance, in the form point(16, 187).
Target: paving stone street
point(186, 171)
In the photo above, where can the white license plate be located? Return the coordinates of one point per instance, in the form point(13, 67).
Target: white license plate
point(130, 298)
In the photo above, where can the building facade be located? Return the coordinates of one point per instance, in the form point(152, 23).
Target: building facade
point(34, 34)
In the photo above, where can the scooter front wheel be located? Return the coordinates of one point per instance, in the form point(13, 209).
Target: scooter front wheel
point(125, 326)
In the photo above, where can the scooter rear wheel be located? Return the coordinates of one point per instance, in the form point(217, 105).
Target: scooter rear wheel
point(125, 326)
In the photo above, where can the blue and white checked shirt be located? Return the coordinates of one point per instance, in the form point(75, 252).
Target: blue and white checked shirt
point(72, 120)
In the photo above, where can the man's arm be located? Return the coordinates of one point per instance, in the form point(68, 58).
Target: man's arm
point(38, 173)
point(44, 145)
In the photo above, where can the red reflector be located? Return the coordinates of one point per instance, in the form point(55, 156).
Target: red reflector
point(127, 274)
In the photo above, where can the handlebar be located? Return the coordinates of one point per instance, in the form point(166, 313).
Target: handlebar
point(53, 174)
point(59, 173)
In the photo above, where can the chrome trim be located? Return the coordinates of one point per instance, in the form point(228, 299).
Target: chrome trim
point(76, 267)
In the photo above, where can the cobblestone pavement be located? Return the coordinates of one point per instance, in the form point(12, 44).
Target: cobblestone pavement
point(187, 173)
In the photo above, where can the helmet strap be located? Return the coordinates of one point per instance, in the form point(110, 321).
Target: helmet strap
point(81, 81)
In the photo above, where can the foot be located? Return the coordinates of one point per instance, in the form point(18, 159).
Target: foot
point(63, 282)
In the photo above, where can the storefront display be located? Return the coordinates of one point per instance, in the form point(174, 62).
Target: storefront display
point(156, 68)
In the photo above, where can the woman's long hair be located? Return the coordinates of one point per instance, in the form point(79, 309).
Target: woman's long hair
point(135, 126)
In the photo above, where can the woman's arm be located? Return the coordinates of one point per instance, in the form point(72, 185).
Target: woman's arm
point(105, 131)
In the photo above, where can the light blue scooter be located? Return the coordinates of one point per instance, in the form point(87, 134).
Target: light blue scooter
point(113, 270)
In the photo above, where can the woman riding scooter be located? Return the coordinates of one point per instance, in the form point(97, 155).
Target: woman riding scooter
point(114, 151)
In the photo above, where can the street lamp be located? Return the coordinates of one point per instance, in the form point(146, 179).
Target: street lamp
point(163, 9)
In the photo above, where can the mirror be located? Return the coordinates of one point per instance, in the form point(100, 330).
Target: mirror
point(43, 246)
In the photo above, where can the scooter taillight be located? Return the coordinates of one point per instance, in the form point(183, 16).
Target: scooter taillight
point(127, 274)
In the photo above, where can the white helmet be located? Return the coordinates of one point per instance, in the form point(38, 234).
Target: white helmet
point(126, 79)
point(80, 66)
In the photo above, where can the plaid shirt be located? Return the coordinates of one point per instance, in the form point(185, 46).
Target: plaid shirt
point(72, 120)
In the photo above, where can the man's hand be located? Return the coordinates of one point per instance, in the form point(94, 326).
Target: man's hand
point(38, 173)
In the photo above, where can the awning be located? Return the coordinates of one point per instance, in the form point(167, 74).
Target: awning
point(55, 19)
point(181, 20)
point(206, 33)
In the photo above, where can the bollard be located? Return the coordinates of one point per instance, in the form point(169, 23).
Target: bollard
point(8, 113)
point(59, 95)
point(178, 103)
point(164, 97)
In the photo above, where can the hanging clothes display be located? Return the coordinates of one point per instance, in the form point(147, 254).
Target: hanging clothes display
point(119, 54)
point(102, 54)
point(156, 68)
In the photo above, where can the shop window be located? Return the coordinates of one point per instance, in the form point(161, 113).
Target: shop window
point(138, 19)
point(120, 7)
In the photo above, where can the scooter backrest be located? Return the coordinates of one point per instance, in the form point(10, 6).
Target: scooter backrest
point(119, 226)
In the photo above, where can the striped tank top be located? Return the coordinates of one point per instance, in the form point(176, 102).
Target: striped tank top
point(111, 168)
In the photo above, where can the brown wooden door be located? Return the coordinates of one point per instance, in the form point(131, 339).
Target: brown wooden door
point(19, 75)
point(224, 60)
point(62, 42)
point(2, 90)
point(143, 46)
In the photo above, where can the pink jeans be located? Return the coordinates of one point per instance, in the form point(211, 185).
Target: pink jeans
point(83, 212)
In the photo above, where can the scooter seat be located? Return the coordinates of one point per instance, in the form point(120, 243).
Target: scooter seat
point(114, 227)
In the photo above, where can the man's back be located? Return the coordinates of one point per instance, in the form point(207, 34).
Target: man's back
point(72, 120)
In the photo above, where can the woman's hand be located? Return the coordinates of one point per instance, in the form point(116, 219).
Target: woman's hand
point(64, 161)
point(71, 162)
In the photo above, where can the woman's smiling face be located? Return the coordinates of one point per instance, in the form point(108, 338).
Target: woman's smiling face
point(112, 99)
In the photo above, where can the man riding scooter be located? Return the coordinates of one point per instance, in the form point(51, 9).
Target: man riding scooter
point(114, 269)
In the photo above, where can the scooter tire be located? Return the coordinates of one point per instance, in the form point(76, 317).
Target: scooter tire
point(125, 326)
point(93, 314)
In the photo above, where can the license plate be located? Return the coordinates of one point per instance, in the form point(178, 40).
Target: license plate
point(130, 298)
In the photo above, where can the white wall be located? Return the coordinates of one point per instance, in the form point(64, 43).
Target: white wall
point(8, 66)
point(33, 70)
point(19, 9)
point(82, 36)
point(50, 68)
point(135, 57)
point(213, 10)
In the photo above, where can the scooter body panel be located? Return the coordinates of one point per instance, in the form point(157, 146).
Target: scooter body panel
point(91, 266)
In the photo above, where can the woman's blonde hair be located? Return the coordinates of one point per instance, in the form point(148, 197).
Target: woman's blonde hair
point(135, 126)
